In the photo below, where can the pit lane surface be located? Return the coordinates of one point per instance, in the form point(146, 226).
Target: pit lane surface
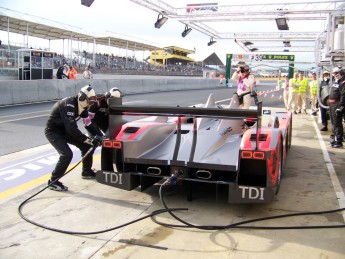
point(312, 181)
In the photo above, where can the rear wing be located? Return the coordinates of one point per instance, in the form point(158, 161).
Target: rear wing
point(117, 110)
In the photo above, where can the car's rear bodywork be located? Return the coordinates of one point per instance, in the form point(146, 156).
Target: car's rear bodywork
point(211, 144)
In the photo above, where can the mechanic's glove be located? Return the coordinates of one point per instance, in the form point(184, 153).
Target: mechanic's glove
point(97, 141)
point(339, 112)
point(253, 93)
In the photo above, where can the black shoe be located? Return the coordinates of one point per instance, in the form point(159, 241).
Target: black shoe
point(294, 112)
point(337, 145)
point(90, 174)
point(332, 142)
point(57, 186)
point(299, 112)
point(324, 128)
point(314, 113)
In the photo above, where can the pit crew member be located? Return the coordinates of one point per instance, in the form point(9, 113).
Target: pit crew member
point(62, 129)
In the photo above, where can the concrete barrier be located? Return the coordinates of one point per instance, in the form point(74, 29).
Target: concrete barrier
point(19, 92)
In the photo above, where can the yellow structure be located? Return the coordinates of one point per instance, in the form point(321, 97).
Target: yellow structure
point(171, 56)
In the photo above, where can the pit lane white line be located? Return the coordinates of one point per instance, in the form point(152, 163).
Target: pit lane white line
point(28, 161)
point(43, 115)
point(334, 178)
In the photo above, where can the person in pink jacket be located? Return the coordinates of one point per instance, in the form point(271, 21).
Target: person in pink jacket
point(245, 85)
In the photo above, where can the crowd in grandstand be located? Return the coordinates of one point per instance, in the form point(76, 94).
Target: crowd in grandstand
point(105, 63)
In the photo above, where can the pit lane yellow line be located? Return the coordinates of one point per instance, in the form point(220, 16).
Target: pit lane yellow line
point(35, 182)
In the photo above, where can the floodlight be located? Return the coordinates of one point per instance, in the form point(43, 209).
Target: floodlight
point(286, 50)
point(247, 43)
point(87, 3)
point(186, 31)
point(253, 49)
point(282, 23)
point(160, 21)
point(286, 43)
point(211, 42)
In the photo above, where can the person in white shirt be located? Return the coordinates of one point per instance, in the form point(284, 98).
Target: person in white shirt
point(87, 74)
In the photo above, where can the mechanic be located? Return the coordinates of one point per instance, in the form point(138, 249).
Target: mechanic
point(285, 83)
point(245, 85)
point(97, 122)
point(62, 129)
point(336, 103)
point(302, 93)
point(324, 88)
point(313, 94)
point(293, 93)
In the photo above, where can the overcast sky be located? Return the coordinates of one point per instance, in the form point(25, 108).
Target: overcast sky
point(125, 17)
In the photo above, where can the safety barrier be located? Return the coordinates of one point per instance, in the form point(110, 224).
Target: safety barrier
point(21, 91)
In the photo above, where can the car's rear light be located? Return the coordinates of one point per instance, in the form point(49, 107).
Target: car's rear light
point(253, 155)
point(258, 155)
point(246, 154)
point(112, 144)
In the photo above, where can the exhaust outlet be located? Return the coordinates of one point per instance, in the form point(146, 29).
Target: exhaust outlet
point(154, 170)
point(203, 174)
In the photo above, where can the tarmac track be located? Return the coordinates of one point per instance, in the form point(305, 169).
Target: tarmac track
point(313, 180)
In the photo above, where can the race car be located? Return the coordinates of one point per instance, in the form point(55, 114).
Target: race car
point(243, 149)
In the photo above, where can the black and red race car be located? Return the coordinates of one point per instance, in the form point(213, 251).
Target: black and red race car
point(243, 149)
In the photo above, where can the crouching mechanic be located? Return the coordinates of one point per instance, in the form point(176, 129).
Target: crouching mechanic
point(97, 123)
point(62, 129)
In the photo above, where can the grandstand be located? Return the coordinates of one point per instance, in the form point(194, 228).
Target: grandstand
point(170, 60)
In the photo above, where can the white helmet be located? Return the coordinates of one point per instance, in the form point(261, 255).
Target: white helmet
point(336, 70)
point(86, 97)
point(114, 93)
point(86, 93)
point(338, 73)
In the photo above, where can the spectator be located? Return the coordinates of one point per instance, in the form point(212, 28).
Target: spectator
point(71, 73)
point(293, 93)
point(87, 74)
point(60, 72)
point(221, 78)
point(286, 92)
point(246, 83)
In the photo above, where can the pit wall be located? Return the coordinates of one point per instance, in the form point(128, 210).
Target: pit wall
point(21, 91)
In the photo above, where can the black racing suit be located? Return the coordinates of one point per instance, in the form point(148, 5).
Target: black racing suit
point(101, 118)
point(61, 129)
point(97, 123)
point(60, 74)
point(337, 101)
point(323, 111)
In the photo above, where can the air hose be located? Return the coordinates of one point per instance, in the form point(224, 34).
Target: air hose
point(154, 213)
point(239, 225)
point(172, 181)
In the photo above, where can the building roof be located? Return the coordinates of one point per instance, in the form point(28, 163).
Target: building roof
point(213, 60)
point(187, 51)
point(25, 24)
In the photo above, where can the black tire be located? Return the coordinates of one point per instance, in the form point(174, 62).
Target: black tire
point(280, 168)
